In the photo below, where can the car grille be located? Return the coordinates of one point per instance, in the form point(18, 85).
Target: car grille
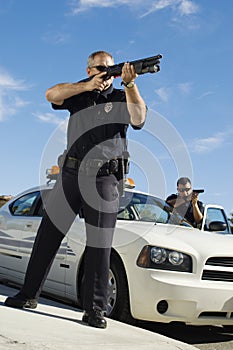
point(223, 315)
point(218, 269)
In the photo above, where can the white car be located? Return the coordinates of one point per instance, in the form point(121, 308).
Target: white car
point(162, 269)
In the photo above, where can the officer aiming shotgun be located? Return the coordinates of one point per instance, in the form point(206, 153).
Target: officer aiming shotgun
point(141, 66)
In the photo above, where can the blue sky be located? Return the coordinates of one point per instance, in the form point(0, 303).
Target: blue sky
point(190, 100)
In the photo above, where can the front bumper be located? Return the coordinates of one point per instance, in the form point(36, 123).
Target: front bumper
point(188, 299)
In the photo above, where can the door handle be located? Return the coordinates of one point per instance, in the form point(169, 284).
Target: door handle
point(29, 225)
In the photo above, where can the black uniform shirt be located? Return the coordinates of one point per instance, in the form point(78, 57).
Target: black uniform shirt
point(98, 123)
point(186, 209)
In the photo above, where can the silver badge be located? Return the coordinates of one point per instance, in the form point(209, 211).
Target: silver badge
point(108, 107)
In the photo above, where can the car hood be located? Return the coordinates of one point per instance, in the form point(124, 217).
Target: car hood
point(185, 239)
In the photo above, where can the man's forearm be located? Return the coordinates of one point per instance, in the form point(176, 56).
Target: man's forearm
point(136, 105)
point(58, 93)
point(197, 214)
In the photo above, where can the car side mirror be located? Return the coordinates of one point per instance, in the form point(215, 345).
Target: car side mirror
point(217, 226)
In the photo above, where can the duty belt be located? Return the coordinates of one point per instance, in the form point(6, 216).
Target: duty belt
point(93, 167)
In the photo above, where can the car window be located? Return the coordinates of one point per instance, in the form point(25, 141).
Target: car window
point(25, 205)
point(126, 214)
point(141, 207)
point(151, 212)
point(39, 209)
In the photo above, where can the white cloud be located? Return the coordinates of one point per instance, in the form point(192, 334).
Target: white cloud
point(185, 88)
point(208, 144)
point(182, 7)
point(5, 110)
point(163, 93)
point(207, 93)
point(9, 101)
point(187, 7)
point(83, 5)
point(51, 118)
point(160, 5)
point(48, 118)
point(7, 82)
point(211, 143)
point(20, 103)
point(55, 38)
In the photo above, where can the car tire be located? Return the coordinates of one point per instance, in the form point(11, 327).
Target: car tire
point(118, 299)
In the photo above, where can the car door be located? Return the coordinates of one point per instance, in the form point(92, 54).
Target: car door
point(16, 220)
point(54, 283)
point(215, 219)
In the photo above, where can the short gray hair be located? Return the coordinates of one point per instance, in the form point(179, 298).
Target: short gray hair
point(183, 181)
point(92, 56)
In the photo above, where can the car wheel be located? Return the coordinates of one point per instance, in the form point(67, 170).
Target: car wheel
point(118, 306)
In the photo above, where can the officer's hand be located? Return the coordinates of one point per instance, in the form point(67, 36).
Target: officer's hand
point(97, 82)
point(128, 73)
point(194, 198)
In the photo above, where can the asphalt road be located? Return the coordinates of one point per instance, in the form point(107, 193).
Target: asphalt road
point(202, 337)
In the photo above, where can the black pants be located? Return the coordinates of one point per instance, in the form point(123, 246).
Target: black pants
point(99, 199)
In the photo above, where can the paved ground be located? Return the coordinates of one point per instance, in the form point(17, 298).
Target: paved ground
point(55, 326)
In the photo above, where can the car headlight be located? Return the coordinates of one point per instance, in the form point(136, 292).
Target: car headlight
point(158, 255)
point(164, 259)
point(176, 258)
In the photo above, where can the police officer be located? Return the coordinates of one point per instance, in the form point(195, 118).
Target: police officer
point(186, 202)
point(92, 169)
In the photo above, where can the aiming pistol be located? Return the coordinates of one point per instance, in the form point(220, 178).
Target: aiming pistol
point(198, 191)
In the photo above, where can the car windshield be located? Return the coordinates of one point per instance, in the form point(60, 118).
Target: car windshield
point(143, 207)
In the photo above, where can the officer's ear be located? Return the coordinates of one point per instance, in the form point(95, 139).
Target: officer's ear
point(88, 70)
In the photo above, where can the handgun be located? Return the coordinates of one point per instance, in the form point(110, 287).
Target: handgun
point(198, 191)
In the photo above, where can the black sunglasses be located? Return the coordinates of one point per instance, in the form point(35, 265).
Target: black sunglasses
point(184, 189)
point(100, 68)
